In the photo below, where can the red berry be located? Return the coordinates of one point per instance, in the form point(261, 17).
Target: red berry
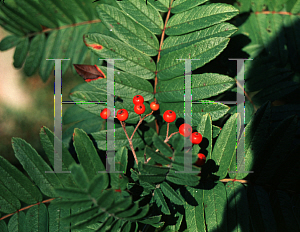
point(105, 113)
point(201, 159)
point(169, 116)
point(118, 190)
point(122, 114)
point(154, 106)
point(185, 130)
point(196, 138)
point(138, 99)
point(139, 108)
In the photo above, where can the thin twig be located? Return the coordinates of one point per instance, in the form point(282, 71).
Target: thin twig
point(130, 143)
point(27, 207)
point(167, 131)
point(64, 27)
point(167, 139)
point(158, 57)
point(241, 181)
point(275, 12)
point(242, 88)
point(141, 119)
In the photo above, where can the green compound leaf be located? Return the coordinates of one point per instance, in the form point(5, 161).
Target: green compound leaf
point(73, 193)
point(131, 32)
point(128, 212)
point(35, 53)
point(170, 193)
point(120, 205)
point(91, 220)
point(238, 217)
point(18, 183)
point(37, 218)
point(152, 178)
point(146, 15)
point(205, 129)
point(157, 157)
point(206, 50)
point(56, 213)
point(8, 42)
point(163, 148)
point(224, 150)
point(47, 140)
point(152, 169)
point(133, 61)
point(194, 211)
point(87, 154)
point(161, 5)
point(9, 203)
point(216, 110)
point(173, 43)
point(81, 215)
point(79, 176)
point(118, 180)
point(216, 130)
point(184, 5)
point(203, 87)
point(36, 167)
point(256, 133)
point(142, 212)
point(86, 92)
point(200, 17)
point(121, 139)
point(126, 85)
point(20, 53)
point(17, 222)
point(160, 201)
point(152, 221)
point(99, 183)
point(215, 206)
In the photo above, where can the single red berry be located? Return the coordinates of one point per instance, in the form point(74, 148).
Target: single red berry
point(185, 130)
point(196, 138)
point(105, 113)
point(154, 106)
point(169, 116)
point(138, 99)
point(139, 108)
point(201, 159)
point(122, 114)
point(118, 190)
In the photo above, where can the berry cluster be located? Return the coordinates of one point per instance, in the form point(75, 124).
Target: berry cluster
point(195, 138)
point(169, 116)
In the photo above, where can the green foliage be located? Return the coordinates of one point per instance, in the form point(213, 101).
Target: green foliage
point(44, 31)
point(269, 34)
point(157, 195)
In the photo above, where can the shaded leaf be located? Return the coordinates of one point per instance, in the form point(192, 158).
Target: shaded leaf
point(171, 194)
